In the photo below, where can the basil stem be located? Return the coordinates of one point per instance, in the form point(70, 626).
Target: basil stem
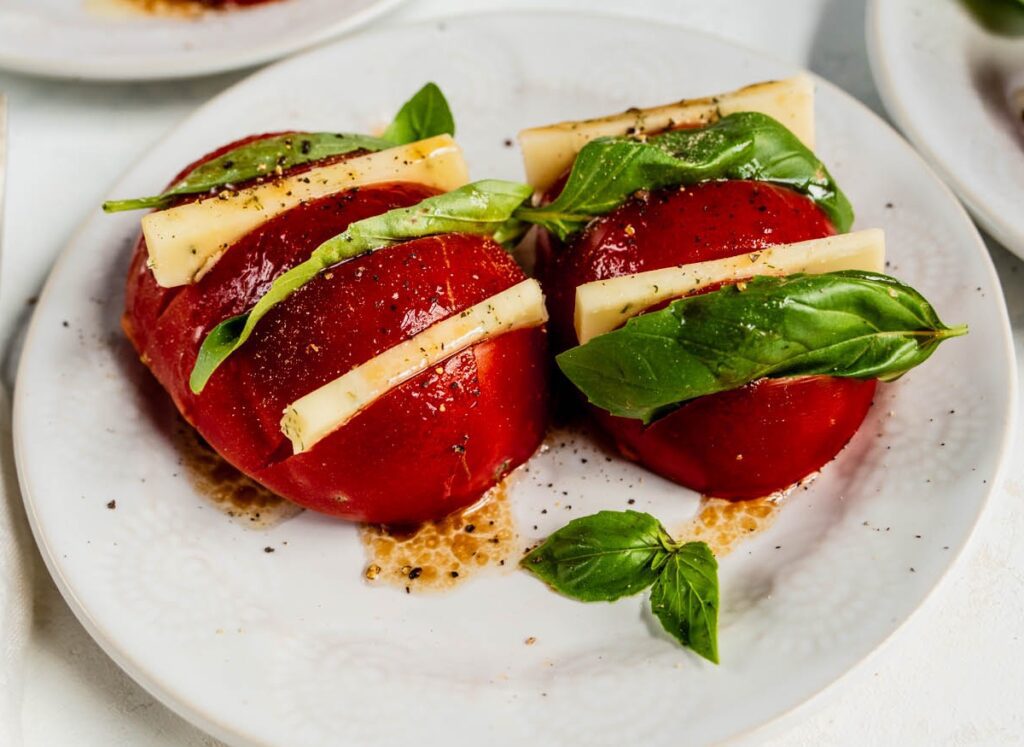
point(612, 554)
point(851, 324)
point(481, 208)
point(745, 145)
point(425, 115)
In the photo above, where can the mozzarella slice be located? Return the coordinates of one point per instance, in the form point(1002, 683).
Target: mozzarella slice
point(604, 305)
point(321, 412)
point(549, 151)
point(184, 242)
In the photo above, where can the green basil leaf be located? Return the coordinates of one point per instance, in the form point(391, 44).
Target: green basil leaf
point(425, 115)
point(851, 324)
point(262, 157)
point(613, 554)
point(481, 208)
point(1002, 17)
point(602, 557)
point(685, 598)
point(745, 145)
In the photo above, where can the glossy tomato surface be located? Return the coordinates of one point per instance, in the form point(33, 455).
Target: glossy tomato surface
point(751, 441)
point(428, 447)
point(748, 442)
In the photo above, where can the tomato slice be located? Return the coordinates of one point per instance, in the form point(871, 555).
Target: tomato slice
point(432, 445)
point(748, 442)
point(745, 443)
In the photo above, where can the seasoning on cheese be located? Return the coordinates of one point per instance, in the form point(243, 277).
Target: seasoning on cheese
point(548, 152)
point(319, 413)
point(185, 241)
point(604, 305)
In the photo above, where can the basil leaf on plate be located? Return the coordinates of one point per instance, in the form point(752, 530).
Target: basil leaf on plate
point(482, 208)
point(425, 115)
point(614, 554)
point(685, 598)
point(602, 557)
point(851, 324)
point(745, 145)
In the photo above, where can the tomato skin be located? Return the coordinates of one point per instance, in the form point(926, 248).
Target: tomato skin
point(426, 448)
point(145, 298)
point(672, 227)
point(748, 442)
point(404, 460)
point(785, 429)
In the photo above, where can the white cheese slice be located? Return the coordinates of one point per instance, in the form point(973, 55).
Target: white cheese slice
point(185, 241)
point(321, 412)
point(604, 305)
point(549, 151)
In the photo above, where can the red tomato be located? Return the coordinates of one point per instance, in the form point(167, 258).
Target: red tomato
point(428, 447)
point(748, 442)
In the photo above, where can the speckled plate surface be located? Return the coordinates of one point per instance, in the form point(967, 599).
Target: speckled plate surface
point(293, 647)
point(118, 40)
point(954, 83)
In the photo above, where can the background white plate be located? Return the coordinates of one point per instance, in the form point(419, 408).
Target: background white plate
point(71, 38)
point(293, 648)
point(946, 80)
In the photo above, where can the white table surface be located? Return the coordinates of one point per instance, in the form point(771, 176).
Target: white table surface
point(954, 675)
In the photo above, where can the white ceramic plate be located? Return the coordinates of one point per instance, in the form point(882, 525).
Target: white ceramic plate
point(100, 39)
point(294, 648)
point(949, 83)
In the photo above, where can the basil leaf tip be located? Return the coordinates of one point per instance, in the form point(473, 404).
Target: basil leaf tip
point(425, 115)
point(684, 598)
point(613, 554)
point(849, 324)
point(744, 145)
point(483, 208)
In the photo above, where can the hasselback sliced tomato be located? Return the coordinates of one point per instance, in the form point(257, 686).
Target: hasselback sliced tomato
point(744, 443)
point(426, 448)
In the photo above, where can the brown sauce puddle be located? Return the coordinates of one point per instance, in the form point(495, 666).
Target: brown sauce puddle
point(438, 555)
point(724, 525)
point(229, 490)
point(163, 8)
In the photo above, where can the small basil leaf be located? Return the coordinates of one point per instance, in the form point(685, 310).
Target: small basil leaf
point(481, 208)
point(425, 115)
point(263, 157)
point(746, 145)
point(1002, 17)
point(850, 324)
point(602, 557)
point(685, 598)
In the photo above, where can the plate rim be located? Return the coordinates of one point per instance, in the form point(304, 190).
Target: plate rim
point(1003, 231)
point(191, 65)
point(204, 719)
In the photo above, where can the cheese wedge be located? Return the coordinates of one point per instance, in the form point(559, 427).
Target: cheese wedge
point(184, 242)
point(604, 305)
point(321, 412)
point(548, 152)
